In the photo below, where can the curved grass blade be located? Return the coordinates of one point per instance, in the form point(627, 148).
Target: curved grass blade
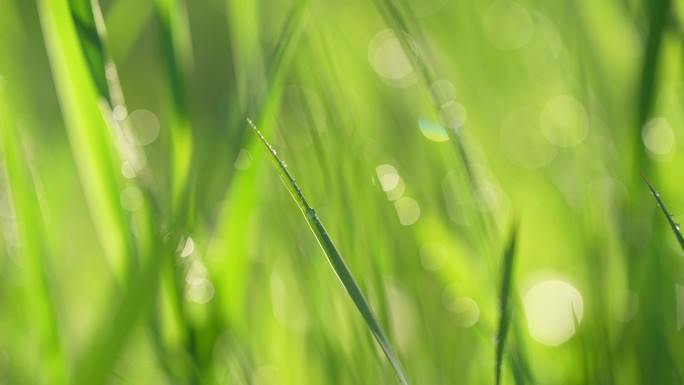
point(505, 320)
point(674, 225)
point(335, 259)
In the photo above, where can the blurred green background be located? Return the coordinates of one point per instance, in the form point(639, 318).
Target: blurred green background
point(147, 240)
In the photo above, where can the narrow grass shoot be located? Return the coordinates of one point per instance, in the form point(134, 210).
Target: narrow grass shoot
point(676, 228)
point(505, 298)
point(335, 259)
point(176, 41)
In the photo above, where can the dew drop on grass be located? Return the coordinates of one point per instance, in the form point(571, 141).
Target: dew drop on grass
point(311, 213)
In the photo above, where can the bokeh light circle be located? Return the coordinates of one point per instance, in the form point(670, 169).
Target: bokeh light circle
point(564, 121)
point(552, 307)
point(507, 25)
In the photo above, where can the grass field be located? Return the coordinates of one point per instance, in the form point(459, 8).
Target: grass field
point(353, 192)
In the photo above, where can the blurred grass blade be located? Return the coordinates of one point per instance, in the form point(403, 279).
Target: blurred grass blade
point(128, 18)
point(505, 298)
point(41, 308)
point(670, 219)
point(92, 32)
point(89, 136)
point(335, 259)
point(658, 12)
point(176, 41)
point(90, 42)
point(110, 339)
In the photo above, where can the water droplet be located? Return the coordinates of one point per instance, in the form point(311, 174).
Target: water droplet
point(284, 164)
point(657, 194)
point(311, 213)
point(677, 226)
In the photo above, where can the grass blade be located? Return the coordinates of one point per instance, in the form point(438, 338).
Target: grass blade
point(674, 225)
point(89, 135)
point(335, 259)
point(176, 42)
point(32, 248)
point(110, 339)
point(505, 320)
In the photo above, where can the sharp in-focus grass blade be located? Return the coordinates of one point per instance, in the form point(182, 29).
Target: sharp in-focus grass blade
point(335, 259)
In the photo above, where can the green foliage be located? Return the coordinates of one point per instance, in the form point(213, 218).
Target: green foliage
point(335, 259)
point(145, 238)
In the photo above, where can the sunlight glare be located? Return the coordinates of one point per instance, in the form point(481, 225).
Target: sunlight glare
point(464, 310)
point(564, 121)
point(408, 210)
point(386, 56)
point(132, 198)
point(431, 130)
point(659, 139)
point(143, 127)
point(550, 308)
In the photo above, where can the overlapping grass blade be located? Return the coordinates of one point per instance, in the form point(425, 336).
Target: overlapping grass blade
point(176, 41)
point(335, 259)
point(676, 229)
point(111, 336)
point(252, 70)
point(89, 135)
point(29, 220)
point(658, 12)
point(129, 25)
point(506, 300)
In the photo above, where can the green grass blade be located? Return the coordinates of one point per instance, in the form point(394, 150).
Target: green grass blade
point(335, 259)
point(674, 225)
point(91, 43)
point(658, 12)
point(128, 25)
point(95, 46)
point(32, 248)
point(110, 338)
point(89, 135)
point(505, 320)
point(176, 41)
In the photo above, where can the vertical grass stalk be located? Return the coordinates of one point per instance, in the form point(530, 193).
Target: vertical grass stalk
point(89, 135)
point(505, 298)
point(41, 309)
